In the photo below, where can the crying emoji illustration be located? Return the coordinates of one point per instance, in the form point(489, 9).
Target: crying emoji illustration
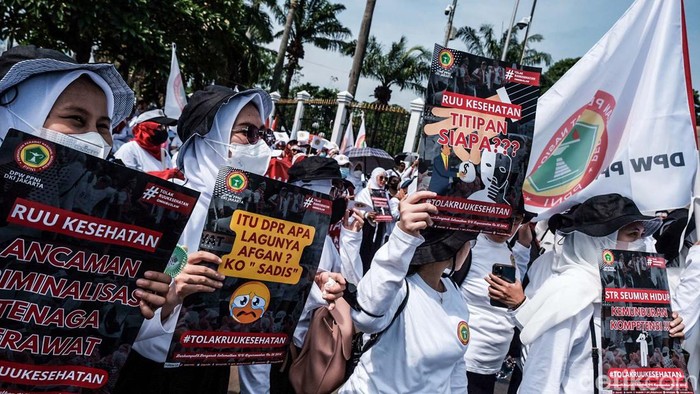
point(249, 302)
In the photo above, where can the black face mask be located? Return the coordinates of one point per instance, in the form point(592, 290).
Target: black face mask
point(160, 136)
point(340, 205)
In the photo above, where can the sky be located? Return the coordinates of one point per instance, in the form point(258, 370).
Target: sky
point(570, 29)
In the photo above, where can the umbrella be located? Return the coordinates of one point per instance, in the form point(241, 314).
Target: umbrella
point(370, 158)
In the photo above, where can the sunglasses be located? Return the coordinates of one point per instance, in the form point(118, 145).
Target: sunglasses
point(252, 133)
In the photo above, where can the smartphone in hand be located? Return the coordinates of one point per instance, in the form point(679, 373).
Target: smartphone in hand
point(505, 272)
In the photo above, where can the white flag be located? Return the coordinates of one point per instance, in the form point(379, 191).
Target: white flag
point(348, 138)
point(620, 120)
point(360, 143)
point(175, 98)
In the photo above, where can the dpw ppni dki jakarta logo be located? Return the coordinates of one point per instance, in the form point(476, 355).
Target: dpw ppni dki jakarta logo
point(573, 157)
point(34, 155)
point(446, 58)
point(236, 181)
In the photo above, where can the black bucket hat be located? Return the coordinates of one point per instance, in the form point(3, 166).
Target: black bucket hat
point(440, 245)
point(602, 215)
point(198, 115)
point(313, 168)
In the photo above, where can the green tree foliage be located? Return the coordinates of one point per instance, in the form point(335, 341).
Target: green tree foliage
point(218, 41)
point(485, 42)
point(400, 66)
point(558, 69)
point(316, 23)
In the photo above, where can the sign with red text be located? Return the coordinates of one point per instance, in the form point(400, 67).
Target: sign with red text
point(479, 119)
point(269, 235)
point(76, 232)
point(637, 352)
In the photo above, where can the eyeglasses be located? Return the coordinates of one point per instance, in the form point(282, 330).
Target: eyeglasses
point(252, 133)
point(381, 178)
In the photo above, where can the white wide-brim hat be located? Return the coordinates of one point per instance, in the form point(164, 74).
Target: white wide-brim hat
point(20, 63)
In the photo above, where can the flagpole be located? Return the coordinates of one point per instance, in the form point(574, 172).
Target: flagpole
point(510, 30)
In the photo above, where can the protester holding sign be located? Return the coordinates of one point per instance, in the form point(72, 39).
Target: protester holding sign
point(48, 94)
point(422, 350)
point(379, 221)
point(218, 126)
point(559, 334)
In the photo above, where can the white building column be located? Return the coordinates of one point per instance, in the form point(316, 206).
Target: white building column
point(301, 97)
point(344, 98)
point(417, 107)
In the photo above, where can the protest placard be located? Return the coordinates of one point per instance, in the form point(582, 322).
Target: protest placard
point(76, 232)
point(637, 352)
point(270, 236)
point(479, 118)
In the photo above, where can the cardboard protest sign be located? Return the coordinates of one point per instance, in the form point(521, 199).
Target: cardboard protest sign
point(270, 236)
point(76, 232)
point(479, 118)
point(637, 352)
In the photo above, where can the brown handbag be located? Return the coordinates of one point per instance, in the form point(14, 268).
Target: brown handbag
point(320, 366)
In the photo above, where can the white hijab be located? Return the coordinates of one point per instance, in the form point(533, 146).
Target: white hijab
point(574, 284)
point(31, 101)
point(365, 196)
point(201, 160)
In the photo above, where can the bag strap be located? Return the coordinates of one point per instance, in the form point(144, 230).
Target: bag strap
point(374, 338)
point(594, 354)
point(460, 275)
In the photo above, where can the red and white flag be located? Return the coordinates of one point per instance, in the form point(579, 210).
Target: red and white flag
point(621, 120)
point(360, 142)
point(175, 98)
point(348, 138)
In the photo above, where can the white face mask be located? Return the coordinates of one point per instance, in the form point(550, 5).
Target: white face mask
point(357, 173)
point(638, 245)
point(90, 143)
point(253, 158)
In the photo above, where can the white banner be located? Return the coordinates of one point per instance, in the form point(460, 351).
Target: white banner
point(175, 98)
point(361, 135)
point(348, 138)
point(620, 120)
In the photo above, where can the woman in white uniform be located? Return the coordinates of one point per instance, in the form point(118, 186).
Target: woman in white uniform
point(556, 323)
point(46, 93)
point(422, 351)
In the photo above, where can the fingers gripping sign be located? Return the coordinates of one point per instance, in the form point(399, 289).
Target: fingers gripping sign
point(194, 278)
point(415, 214)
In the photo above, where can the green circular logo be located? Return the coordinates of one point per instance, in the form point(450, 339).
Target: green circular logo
point(463, 332)
point(446, 58)
point(608, 257)
point(236, 181)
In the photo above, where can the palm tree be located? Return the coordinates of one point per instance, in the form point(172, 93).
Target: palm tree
point(277, 72)
point(316, 23)
point(484, 42)
point(361, 47)
point(407, 68)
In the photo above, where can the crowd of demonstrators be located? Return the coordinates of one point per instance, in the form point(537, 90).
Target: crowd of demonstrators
point(439, 333)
